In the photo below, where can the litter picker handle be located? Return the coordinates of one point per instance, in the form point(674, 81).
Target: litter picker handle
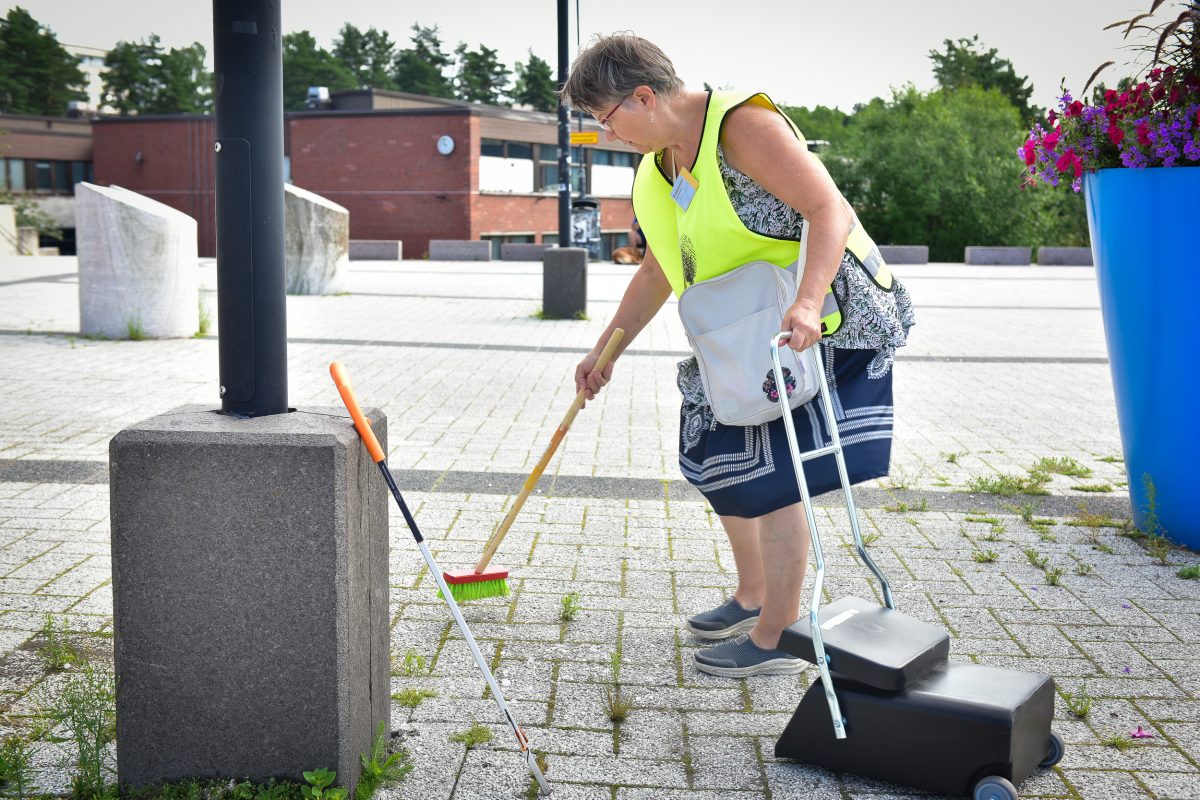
point(605, 356)
point(342, 381)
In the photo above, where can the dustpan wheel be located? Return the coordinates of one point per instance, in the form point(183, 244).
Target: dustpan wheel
point(1055, 752)
point(995, 787)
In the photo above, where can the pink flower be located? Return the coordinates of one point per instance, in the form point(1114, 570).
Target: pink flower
point(1141, 734)
point(1075, 109)
point(1116, 134)
point(1051, 140)
point(1069, 161)
point(1030, 151)
point(1143, 134)
point(1052, 117)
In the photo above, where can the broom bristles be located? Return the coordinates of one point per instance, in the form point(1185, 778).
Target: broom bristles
point(478, 590)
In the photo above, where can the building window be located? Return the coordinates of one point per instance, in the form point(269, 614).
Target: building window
point(615, 158)
point(79, 172)
point(3, 173)
point(16, 174)
point(44, 176)
point(491, 147)
point(502, 149)
point(62, 177)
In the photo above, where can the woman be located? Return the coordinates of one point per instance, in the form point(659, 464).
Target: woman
point(754, 186)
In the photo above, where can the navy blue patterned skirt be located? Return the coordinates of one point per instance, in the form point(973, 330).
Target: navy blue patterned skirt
point(748, 471)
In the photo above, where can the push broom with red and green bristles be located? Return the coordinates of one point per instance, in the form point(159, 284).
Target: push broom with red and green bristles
point(342, 381)
point(481, 582)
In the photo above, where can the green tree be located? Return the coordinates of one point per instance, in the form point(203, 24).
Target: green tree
point(421, 69)
point(940, 169)
point(535, 85)
point(39, 76)
point(967, 63)
point(481, 77)
point(305, 64)
point(143, 78)
point(367, 55)
point(821, 122)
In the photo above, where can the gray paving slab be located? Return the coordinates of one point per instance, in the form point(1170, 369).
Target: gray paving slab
point(473, 384)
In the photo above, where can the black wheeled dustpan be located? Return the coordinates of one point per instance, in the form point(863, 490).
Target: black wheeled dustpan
point(889, 704)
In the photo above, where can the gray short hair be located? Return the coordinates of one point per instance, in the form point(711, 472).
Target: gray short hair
point(611, 67)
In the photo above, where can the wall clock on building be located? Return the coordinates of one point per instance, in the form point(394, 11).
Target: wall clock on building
point(445, 145)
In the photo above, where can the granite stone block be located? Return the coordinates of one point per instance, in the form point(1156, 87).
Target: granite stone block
point(250, 591)
point(905, 253)
point(564, 282)
point(460, 250)
point(1065, 256)
point(376, 250)
point(999, 256)
point(316, 242)
point(138, 265)
point(523, 251)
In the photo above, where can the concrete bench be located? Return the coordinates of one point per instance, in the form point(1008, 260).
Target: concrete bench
point(1065, 256)
point(522, 251)
point(460, 250)
point(999, 256)
point(905, 253)
point(376, 250)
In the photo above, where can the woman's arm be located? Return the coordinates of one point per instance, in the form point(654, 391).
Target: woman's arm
point(759, 143)
point(645, 295)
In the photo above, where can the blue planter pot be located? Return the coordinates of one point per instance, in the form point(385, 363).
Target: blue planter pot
point(1144, 242)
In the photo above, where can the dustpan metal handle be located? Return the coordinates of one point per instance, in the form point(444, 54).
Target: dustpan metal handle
point(835, 710)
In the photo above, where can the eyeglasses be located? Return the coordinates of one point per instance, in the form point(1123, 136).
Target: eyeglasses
point(604, 119)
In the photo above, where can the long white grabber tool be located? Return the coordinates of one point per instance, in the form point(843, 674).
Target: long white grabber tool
point(342, 381)
point(810, 360)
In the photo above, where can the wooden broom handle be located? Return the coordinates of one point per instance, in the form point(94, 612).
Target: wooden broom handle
point(605, 355)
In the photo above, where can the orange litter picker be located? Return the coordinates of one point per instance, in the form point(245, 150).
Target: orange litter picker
point(342, 381)
point(481, 582)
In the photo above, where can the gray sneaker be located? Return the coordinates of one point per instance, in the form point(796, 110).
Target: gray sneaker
point(742, 657)
point(723, 621)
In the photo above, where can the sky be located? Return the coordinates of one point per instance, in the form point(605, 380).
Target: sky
point(800, 52)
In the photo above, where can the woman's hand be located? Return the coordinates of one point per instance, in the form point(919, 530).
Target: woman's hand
point(803, 319)
point(589, 379)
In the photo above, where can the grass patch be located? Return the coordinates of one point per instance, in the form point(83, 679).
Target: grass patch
point(1062, 466)
point(381, 768)
point(411, 698)
point(1190, 572)
point(134, 330)
point(1112, 460)
point(1054, 576)
point(473, 736)
point(1094, 488)
point(1103, 548)
point(901, 507)
point(985, 556)
point(952, 458)
point(1083, 568)
point(1009, 485)
point(205, 318)
point(983, 519)
point(1118, 741)
point(571, 604)
point(1084, 518)
point(870, 537)
point(615, 704)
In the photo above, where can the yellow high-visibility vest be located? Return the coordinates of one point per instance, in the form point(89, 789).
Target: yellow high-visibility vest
point(708, 239)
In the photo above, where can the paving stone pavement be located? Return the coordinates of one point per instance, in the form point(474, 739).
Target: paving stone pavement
point(1006, 366)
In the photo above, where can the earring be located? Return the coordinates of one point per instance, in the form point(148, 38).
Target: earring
point(651, 117)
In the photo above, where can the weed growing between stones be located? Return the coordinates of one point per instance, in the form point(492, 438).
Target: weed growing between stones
point(411, 698)
point(57, 651)
point(1078, 703)
point(475, 735)
point(952, 458)
point(1036, 559)
point(134, 330)
point(901, 507)
point(1118, 741)
point(1082, 569)
point(1190, 572)
point(86, 707)
point(320, 786)
point(205, 316)
point(617, 706)
point(1062, 466)
point(985, 556)
point(381, 768)
point(1008, 485)
point(571, 605)
point(1094, 488)
point(15, 772)
point(1054, 576)
point(415, 665)
point(1156, 541)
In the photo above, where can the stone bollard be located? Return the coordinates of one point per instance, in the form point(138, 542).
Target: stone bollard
point(250, 595)
point(999, 256)
point(905, 253)
point(138, 265)
point(28, 241)
point(316, 242)
point(1064, 256)
point(564, 282)
point(376, 249)
point(460, 250)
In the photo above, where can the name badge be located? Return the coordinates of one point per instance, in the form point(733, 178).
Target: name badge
point(684, 190)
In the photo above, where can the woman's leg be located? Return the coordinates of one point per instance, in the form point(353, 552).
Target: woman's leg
point(783, 540)
point(743, 536)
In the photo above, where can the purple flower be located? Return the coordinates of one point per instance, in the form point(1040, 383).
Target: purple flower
point(1126, 605)
point(1191, 150)
point(1077, 185)
point(1141, 734)
point(1128, 670)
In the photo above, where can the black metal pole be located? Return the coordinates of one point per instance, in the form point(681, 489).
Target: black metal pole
point(564, 136)
point(251, 298)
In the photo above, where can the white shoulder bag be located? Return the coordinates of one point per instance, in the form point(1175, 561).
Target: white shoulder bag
point(730, 319)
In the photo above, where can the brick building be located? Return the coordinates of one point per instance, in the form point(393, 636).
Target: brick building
point(494, 175)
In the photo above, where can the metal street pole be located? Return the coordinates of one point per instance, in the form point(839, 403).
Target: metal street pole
point(564, 136)
point(251, 298)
